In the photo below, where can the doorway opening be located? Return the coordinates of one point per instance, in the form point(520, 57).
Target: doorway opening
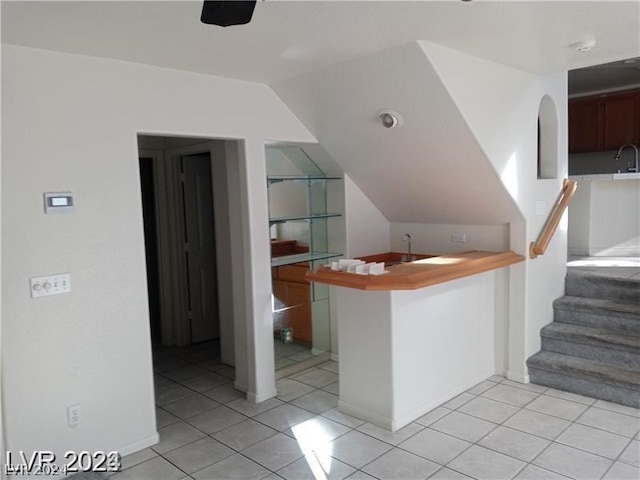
point(186, 197)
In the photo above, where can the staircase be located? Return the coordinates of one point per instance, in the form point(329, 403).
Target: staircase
point(593, 345)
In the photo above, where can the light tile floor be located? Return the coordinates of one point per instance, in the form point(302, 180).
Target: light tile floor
point(293, 357)
point(498, 429)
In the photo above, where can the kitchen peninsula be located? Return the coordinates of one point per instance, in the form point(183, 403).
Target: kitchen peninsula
point(416, 336)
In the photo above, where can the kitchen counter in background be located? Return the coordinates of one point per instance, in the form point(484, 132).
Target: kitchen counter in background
point(604, 215)
point(604, 176)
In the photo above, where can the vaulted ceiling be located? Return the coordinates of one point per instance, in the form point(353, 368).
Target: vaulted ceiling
point(287, 38)
point(334, 63)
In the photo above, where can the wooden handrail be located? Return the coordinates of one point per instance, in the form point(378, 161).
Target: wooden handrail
point(566, 194)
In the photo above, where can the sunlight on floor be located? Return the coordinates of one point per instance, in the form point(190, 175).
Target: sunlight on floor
point(315, 443)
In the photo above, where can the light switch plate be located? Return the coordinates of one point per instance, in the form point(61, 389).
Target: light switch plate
point(50, 285)
point(541, 207)
point(459, 237)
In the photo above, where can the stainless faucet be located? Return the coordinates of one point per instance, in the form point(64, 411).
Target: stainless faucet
point(629, 168)
point(407, 257)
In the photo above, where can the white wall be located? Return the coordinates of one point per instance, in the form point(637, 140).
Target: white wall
point(429, 170)
point(71, 123)
point(501, 106)
point(367, 230)
point(578, 236)
point(438, 239)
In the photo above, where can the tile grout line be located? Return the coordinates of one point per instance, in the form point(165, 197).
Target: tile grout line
point(392, 446)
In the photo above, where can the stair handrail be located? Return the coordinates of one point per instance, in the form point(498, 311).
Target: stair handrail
point(539, 247)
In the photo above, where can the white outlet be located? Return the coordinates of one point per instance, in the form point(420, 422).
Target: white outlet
point(50, 285)
point(74, 415)
point(541, 207)
point(459, 237)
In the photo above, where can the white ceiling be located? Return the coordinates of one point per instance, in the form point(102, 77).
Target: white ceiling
point(286, 39)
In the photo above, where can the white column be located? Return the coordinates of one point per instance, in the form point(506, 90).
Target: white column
point(259, 322)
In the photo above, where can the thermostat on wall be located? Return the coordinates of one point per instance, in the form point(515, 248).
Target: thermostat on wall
point(59, 202)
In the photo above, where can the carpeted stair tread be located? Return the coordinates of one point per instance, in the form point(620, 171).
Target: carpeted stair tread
point(593, 345)
point(598, 305)
point(592, 336)
point(580, 367)
point(589, 285)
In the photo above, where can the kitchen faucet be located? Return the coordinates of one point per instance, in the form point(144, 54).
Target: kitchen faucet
point(635, 167)
point(407, 257)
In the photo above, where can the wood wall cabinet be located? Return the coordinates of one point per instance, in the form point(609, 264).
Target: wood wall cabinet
point(585, 125)
point(621, 120)
point(605, 122)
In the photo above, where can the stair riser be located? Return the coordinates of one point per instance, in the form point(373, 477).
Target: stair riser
point(629, 323)
point(623, 358)
point(585, 386)
point(601, 287)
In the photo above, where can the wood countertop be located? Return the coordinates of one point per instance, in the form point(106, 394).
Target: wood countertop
point(420, 273)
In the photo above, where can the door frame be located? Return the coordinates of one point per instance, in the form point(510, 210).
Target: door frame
point(230, 194)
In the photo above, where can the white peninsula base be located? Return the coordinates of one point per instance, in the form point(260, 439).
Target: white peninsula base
point(405, 352)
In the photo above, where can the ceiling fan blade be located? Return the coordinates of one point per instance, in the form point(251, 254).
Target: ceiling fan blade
point(227, 12)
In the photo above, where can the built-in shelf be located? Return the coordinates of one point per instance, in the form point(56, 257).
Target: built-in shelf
point(282, 178)
point(301, 198)
point(302, 257)
point(318, 216)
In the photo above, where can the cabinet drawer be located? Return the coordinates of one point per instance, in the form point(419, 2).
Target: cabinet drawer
point(293, 273)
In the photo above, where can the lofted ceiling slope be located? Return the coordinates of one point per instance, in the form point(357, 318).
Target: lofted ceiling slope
point(336, 63)
point(429, 170)
point(290, 38)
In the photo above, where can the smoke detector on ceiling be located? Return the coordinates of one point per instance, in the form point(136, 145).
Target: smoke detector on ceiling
point(583, 45)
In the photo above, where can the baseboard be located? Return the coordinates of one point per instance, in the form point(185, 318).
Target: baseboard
point(442, 399)
point(394, 424)
point(255, 398)
point(240, 386)
point(518, 377)
point(380, 421)
point(335, 357)
point(139, 445)
point(501, 371)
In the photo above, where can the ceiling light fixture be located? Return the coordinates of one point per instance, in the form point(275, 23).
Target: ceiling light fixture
point(389, 118)
point(227, 12)
point(583, 45)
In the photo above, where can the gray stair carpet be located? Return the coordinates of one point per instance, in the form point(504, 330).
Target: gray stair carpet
point(593, 345)
point(581, 284)
point(623, 316)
